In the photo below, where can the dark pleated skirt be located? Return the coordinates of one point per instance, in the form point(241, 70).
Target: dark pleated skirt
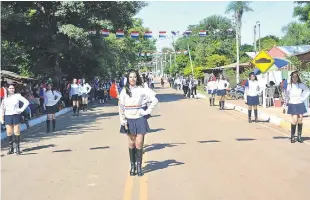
point(51, 109)
point(136, 126)
point(252, 100)
point(221, 92)
point(296, 109)
point(12, 119)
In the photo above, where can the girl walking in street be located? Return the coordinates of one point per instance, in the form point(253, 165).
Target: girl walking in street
point(252, 90)
point(222, 85)
point(51, 99)
point(133, 122)
point(74, 95)
point(11, 116)
point(296, 93)
point(84, 89)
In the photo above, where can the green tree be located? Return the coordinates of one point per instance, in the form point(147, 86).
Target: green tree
point(302, 11)
point(296, 34)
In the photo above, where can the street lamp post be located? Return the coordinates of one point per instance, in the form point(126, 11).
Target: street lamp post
point(237, 46)
point(258, 23)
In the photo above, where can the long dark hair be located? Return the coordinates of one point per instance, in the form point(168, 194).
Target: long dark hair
point(52, 88)
point(138, 83)
point(295, 73)
point(252, 73)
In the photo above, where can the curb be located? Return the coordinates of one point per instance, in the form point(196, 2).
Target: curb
point(36, 121)
point(263, 116)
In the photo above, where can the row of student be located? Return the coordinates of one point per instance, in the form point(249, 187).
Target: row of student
point(217, 87)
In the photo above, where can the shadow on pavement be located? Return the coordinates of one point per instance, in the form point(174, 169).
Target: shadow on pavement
point(64, 150)
point(158, 165)
point(95, 148)
point(65, 125)
point(280, 137)
point(244, 139)
point(169, 97)
point(209, 141)
point(158, 146)
point(306, 138)
point(38, 147)
point(155, 116)
point(156, 130)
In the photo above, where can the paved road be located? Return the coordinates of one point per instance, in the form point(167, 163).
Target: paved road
point(194, 152)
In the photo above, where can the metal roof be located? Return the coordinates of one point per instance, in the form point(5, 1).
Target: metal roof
point(292, 50)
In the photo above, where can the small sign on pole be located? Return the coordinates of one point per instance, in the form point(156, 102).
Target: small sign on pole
point(263, 61)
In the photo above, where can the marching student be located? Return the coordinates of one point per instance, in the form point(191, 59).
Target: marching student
point(251, 98)
point(11, 116)
point(100, 93)
point(74, 95)
point(85, 88)
point(222, 85)
point(132, 117)
point(211, 86)
point(296, 93)
point(51, 99)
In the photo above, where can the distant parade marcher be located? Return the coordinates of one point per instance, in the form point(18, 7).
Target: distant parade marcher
point(211, 86)
point(162, 82)
point(296, 93)
point(195, 88)
point(132, 117)
point(51, 98)
point(74, 95)
point(251, 95)
point(222, 85)
point(11, 116)
point(185, 85)
point(85, 89)
point(100, 93)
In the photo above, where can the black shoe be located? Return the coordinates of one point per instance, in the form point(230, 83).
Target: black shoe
point(11, 148)
point(210, 100)
point(132, 155)
point(18, 152)
point(139, 161)
point(299, 132)
point(255, 114)
point(223, 105)
point(249, 115)
point(220, 102)
point(293, 130)
point(54, 124)
point(48, 126)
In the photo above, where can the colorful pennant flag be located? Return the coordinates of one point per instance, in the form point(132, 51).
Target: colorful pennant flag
point(134, 34)
point(187, 33)
point(162, 34)
point(120, 34)
point(148, 34)
point(202, 33)
point(105, 32)
point(92, 32)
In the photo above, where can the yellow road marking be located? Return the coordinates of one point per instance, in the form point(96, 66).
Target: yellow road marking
point(143, 180)
point(128, 188)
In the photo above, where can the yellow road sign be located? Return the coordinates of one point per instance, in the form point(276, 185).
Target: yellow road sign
point(263, 61)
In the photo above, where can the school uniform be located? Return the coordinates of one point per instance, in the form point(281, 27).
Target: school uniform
point(74, 91)
point(132, 112)
point(296, 95)
point(221, 86)
point(51, 99)
point(12, 115)
point(252, 91)
point(85, 89)
point(211, 87)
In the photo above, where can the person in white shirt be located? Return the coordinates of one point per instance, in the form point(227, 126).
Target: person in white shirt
point(11, 115)
point(85, 88)
point(252, 90)
point(296, 94)
point(132, 117)
point(74, 95)
point(51, 98)
point(211, 86)
point(222, 85)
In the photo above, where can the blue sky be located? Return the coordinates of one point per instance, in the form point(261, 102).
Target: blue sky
point(174, 15)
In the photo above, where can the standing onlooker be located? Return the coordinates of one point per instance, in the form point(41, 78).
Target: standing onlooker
point(11, 115)
point(51, 99)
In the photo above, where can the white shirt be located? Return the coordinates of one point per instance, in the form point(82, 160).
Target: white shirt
point(75, 89)
point(85, 88)
point(220, 84)
point(296, 93)
point(131, 107)
point(51, 98)
point(253, 89)
point(125, 81)
point(10, 105)
point(211, 85)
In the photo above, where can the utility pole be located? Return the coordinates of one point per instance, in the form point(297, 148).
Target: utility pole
point(190, 59)
point(237, 46)
point(254, 44)
point(258, 24)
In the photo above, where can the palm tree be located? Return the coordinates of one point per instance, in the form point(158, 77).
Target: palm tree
point(239, 8)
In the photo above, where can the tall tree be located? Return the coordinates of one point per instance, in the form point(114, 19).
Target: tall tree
point(302, 11)
point(238, 8)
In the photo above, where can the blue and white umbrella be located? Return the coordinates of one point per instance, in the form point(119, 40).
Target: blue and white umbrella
point(278, 63)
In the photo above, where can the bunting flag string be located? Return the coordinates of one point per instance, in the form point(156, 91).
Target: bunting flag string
point(142, 54)
point(161, 34)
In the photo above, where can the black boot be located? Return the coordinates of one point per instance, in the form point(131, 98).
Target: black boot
point(299, 132)
point(54, 124)
point(86, 106)
point(255, 114)
point(223, 105)
point(213, 100)
point(210, 100)
point(249, 115)
point(293, 130)
point(132, 155)
point(48, 126)
point(220, 102)
point(139, 161)
point(74, 110)
point(17, 140)
point(78, 111)
point(11, 149)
